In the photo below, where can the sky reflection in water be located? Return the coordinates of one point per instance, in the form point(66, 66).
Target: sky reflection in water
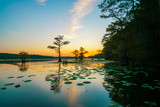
point(46, 86)
point(89, 84)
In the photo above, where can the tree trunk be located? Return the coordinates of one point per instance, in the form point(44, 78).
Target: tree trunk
point(60, 60)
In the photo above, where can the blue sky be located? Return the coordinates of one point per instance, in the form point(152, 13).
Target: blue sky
point(31, 25)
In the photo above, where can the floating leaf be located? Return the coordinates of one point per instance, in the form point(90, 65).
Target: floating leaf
point(150, 103)
point(31, 75)
point(81, 78)
point(27, 80)
point(80, 84)
point(4, 88)
point(16, 86)
point(48, 79)
point(73, 78)
point(20, 77)
point(116, 82)
point(157, 87)
point(10, 77)
point(90, 78)
point(9, 84)
point(103, 82)
point(68, 82)
point(86, 82)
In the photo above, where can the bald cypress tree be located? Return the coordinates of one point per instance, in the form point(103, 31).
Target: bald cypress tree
point(58, 44)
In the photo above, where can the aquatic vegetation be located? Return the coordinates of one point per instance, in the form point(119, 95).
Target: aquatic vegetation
point(16, 86)
point(73, 78)
point(4, 88)
point(86, 82)
point(120, 74)
point(10, 77)
point(80, 84)
point(20, 76)
point(114, 104)
point(48, 79)
point(116, 82)
point(27, 80)
point(31, 75)
point(68, 82)
point(9, 84)
point(81, 78)
point(158, 87)
point(147, 86)
point(150, 103)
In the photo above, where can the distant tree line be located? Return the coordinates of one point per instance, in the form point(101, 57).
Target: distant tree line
point(15, 56)
point(134, 37)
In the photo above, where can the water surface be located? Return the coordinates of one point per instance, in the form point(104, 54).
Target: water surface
point(89, 84)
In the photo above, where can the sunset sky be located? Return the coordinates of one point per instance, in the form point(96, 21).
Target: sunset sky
point(31, 25)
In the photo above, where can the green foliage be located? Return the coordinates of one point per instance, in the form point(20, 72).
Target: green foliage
point(82, 51)
point(134, 36)
point(76, 54)
point(23, 55)
point(58, 42)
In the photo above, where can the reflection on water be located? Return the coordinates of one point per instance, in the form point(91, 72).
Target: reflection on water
point(77, 85)
point(55, 80)
point(23, 67)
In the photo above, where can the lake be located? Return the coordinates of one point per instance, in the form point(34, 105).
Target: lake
point(87, 84)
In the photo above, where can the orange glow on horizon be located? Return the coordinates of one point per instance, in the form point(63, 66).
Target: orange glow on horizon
point(54, 54)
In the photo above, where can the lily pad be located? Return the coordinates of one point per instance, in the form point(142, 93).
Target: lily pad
point(103, 82)
point(10, 77)
point(68, 82)
point(48, 79)
point(86, 82)
point(20, 76)
point(16, 86)
point(27, 80)
point(150, 103)
point(116, 82)
point(80, 84)
point(4, 88)
point(31, 75)
point(73, 78)
point(90, 78)
point(157, 87)
point(81, 78)
point(9, 84)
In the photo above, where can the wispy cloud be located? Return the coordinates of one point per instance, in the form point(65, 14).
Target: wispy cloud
point(80, 9)
point(41, 2)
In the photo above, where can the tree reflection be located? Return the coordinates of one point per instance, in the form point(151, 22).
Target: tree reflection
point(129, 92)
point(55, 80)
point(23, 67)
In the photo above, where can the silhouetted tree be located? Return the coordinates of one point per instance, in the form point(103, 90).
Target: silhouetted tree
point(99, 53)
point(134, 36)
point(58, 42)
point(76, 53)
point(82, 51)
point(23, 55)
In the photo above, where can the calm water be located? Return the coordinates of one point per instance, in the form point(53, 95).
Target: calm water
point(76, 85)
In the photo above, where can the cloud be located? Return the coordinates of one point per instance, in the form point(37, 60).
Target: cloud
point(80, 9)
point(41, 2)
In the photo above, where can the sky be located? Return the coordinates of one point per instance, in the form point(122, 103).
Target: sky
point(31, 25)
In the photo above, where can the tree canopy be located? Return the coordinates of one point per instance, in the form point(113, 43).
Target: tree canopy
point(133, 37)
point(58, 43)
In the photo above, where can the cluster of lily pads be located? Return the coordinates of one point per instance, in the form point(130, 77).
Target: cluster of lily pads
point(15, 85)
point(120, 78)
point(124, 76)
point(78, 84)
